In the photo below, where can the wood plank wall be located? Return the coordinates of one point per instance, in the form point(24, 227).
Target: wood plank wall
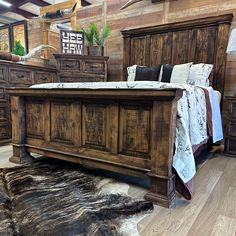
point(145, 13)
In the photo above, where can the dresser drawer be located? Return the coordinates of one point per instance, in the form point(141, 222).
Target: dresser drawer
point(19, 76)
point(232, 109)
point(69, 65)
point(230, 146)
point(5, 132)
point(2, 93)
point(94, 67)
point(43, 77)
point(232, 128)
point(3, 74)
point(3, 111)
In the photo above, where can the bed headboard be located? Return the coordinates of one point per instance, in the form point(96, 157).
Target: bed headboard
point(201, 40)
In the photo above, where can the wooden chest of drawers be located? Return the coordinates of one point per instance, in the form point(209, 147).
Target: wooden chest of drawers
point(81, 68)
point(230, 131)
point(18, 75)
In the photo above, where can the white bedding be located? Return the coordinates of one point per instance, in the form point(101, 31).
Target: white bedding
point(191, 126)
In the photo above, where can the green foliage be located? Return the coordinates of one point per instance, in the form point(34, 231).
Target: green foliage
point(93, 34)
point(18, 48)
point(102, 35)
point(89, 33)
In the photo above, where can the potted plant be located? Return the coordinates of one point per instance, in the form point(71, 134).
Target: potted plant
point(94, 35)
point(18, 48)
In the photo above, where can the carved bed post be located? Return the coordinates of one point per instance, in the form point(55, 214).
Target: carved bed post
point(20, 153)
point(162, 190)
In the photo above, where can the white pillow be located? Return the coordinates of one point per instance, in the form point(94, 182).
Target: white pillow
point(199, 74)
point(180, 73)
point(131, 72)
point(160, 75)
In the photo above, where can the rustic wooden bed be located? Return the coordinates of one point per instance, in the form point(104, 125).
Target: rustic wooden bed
point(126, 131)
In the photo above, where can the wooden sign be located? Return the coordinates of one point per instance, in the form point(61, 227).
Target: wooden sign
point(72, 42)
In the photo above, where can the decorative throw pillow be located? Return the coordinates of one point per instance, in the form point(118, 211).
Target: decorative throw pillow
point(166, 73)
point(131, 72)
point(147, 73)
point(180, 73)
point(199, 74)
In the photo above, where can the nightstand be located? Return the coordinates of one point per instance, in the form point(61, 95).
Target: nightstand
point(230, 131)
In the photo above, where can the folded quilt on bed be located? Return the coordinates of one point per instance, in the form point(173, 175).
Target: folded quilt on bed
point(191, 128)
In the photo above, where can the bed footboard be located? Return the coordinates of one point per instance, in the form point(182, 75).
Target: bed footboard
point(130, 132)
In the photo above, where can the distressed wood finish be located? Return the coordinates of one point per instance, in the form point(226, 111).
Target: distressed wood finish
point(22, 75)
point(201, 40)
point(230, 130)
point(128, 131)
point(81, 68)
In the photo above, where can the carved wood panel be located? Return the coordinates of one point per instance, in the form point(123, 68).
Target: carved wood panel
point(180, 47)
point(3, 74)
point(62, 122)
point(160, 50)
point(205, 47)
point(35, 124)
point(139, 51)
point(4, 134)
point(134, 130)
point(95, 125)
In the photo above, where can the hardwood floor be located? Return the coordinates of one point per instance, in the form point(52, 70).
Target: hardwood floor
point(212, 211)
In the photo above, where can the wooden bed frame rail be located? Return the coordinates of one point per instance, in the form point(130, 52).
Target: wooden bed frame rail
point(125, 131)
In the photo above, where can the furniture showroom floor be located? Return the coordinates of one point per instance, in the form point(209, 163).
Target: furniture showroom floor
point(212, 211)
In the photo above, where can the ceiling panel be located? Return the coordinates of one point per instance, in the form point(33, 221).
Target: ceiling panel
point(30, 7)
point(14, 16)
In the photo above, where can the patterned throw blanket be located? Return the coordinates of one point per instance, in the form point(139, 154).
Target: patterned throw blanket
point(52, 197)
point(191, 119)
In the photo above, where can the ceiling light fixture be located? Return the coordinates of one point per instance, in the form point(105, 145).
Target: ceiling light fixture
point(6, 4)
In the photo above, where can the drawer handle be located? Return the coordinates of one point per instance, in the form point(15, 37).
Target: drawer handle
point(20, 76)
point(69, 66)
point(43, 78)
point(95, 66)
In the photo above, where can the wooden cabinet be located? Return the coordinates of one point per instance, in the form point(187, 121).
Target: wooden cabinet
point(230, 131)
point(18, 75)
point(81, 68)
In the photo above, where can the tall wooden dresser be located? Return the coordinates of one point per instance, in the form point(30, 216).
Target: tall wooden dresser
point(18, 75)
point(230, 131)
point(81, 68)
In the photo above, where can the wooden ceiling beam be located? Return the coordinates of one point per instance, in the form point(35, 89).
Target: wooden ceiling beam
point(40, 3)
point(24, 13)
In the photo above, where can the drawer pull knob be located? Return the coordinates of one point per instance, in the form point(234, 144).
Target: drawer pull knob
point(69, 66)
point(43, 78)
point(20, 76)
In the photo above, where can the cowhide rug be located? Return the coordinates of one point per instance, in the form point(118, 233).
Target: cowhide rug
point(51, 197)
